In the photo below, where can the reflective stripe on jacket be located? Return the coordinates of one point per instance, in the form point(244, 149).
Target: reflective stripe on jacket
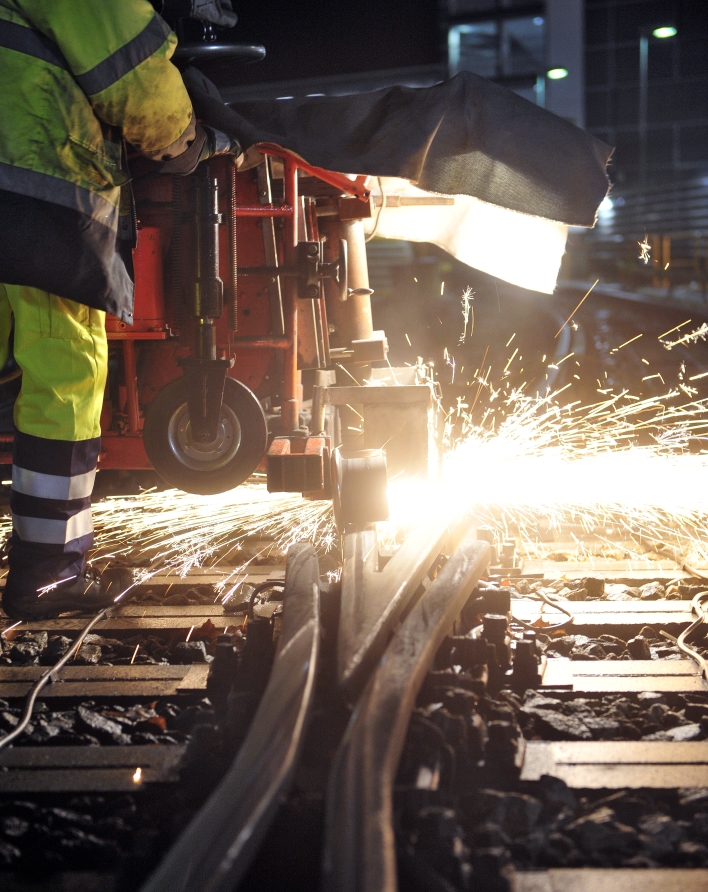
point(72, 73)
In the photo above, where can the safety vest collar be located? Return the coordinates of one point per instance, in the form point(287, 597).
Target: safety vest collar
point(58, 191)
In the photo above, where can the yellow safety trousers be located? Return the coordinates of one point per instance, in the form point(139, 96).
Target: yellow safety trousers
point(62, 349)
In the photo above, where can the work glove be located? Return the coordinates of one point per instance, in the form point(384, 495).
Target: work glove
point(218, 143)
point(207, 143)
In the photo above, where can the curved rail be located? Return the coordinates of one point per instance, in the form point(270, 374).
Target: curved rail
point(216, 849)
point(360, 845)
point(373, 599)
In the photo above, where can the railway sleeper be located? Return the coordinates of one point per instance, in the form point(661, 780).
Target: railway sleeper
point(595, 778)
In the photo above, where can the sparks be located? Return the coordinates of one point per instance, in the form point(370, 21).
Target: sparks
point(644, 251)
point(467, 314)
point(698, 334)
point(587, 294)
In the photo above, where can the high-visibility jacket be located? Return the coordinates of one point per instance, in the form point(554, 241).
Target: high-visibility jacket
point(74, 75)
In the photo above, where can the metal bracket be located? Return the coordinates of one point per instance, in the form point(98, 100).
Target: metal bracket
point(205, 391)
point(310, 269)
point(300, 464)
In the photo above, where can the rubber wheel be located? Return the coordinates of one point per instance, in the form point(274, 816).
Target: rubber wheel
point(205, 468)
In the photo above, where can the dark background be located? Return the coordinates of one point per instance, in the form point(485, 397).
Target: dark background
point(325, 37)
point(328, 38)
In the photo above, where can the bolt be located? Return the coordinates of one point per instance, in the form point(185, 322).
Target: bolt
point(495, 626)
point(313, 291)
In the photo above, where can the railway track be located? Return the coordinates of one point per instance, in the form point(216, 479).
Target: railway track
point(373, 734)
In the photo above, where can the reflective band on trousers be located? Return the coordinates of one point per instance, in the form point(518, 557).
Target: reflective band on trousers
point(51, 486)
point(52, 532)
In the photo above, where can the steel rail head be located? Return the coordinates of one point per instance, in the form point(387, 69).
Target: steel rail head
point(374, 600)
point(360, 845)
point(217, 847)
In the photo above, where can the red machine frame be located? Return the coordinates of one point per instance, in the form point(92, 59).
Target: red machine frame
point(150, 350)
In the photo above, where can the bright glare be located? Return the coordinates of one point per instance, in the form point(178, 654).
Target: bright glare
point(550, 464)
point(668, 31)
point(557, 74)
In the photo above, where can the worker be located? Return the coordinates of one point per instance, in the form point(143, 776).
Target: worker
point(77, 80)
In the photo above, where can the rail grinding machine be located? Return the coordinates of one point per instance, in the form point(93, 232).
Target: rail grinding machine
point(248, 272)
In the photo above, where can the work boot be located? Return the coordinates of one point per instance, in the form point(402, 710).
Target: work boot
point(89, 592)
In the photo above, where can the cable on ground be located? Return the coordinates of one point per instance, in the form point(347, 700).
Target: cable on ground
point(49, 676)
point(551, 603)
point(697, 608)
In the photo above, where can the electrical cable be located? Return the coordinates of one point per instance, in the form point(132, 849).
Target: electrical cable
point(696, 607)
point(49, 676)
point(261, 587)
point(692, 570)
point(372, 234)
point(662, 548)
point(551, 603)
point(11, 376)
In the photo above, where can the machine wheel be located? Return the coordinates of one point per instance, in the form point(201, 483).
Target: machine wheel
point(212, 467)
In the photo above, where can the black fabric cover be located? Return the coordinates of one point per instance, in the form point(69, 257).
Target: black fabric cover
point(465, 136)
point(60, 250)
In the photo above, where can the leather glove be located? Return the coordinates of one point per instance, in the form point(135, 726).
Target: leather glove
point(218, 143)
point(207, 143)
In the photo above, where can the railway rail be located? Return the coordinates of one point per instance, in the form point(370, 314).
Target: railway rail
point(422, 724)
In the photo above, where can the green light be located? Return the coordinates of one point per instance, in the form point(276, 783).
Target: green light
point(668, 31)
point(557, 74)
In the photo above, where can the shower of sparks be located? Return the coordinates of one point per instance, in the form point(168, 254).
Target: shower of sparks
point(546, 465)
point(644, 251)
point(467, 314)
point(698, 334)
point(521, 463)
point(172, 532)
